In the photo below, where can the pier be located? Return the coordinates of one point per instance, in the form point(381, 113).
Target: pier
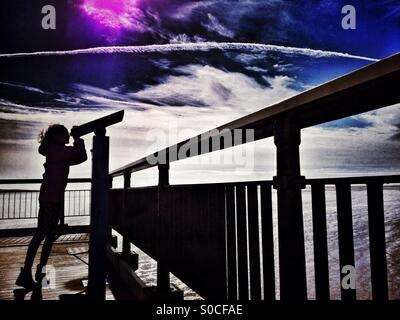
point(218, 238)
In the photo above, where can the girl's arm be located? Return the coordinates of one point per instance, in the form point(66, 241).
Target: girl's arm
point(60, 153)
point(77, 153)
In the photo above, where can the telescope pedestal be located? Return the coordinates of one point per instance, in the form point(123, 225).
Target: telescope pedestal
point(99, 230)
point(98, 218)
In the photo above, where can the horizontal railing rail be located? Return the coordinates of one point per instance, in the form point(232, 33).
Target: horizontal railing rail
point(363, 180)
point(357, 180)
point(39, 181)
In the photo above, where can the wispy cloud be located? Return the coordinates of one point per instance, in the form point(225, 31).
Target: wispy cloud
point(214, 25)
point(24, 87)
point(198, 46)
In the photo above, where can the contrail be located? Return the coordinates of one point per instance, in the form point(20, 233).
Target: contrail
point(197, 46)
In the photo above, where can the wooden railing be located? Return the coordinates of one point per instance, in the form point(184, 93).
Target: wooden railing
point(195, 231)
point(208, 234)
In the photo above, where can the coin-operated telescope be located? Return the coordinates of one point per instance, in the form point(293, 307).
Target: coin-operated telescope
point(97, 126)
point(99, 201)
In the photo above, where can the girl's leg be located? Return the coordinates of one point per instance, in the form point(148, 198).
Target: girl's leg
point(33, 248)
point(47, 218)
point(37, 238)
point(47, 225)
point(25, 277)
point(51, 231)
point(46, 249)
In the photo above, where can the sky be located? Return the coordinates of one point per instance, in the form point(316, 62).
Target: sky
point(187, 67)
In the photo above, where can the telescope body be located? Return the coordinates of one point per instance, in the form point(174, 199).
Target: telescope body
point(98, 125)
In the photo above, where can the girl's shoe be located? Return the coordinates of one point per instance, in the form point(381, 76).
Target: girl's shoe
point(25, 279)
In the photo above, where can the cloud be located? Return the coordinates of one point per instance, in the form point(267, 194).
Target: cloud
point(217, 89)
point(115, 14)
point(185, 11)
point(184, 38)
point(392, 9)
point(257, 69)
point(214, 25)
point(24, 87)
point(198, 46)
point(12, 110)
point(223, 97)
point(194, 99)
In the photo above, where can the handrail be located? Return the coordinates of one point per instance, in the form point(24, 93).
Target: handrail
point(38, 181)
point(356, 180)
point(383, 179)
point(345, 96)
point(36, 190)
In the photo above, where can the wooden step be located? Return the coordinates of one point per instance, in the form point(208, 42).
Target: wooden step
point(122, 275)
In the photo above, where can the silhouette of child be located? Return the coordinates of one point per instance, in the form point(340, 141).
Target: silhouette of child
point(59, 158)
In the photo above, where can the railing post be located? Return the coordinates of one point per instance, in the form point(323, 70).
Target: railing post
point(109, 229)
point(267, 243)
point(163, 280)
point(320, 238)
point(241, 227)
point(231, 242)
point(99, 217)
point(345, 235)
point(62, 219)
point(126, 243)
point(163, 175)
point(377, 244)
point(289, 183)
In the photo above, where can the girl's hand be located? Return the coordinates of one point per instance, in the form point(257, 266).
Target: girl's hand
point(73, 132)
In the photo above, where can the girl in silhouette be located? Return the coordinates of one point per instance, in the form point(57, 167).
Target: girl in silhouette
point(59, 158)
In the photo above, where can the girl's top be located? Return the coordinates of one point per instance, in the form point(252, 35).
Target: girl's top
point(59, 158)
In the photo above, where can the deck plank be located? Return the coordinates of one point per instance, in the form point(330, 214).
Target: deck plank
point(24, 241)
point(67, 270)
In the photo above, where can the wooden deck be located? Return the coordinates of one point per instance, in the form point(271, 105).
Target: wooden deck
point(65, 271)
point(24, 241)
